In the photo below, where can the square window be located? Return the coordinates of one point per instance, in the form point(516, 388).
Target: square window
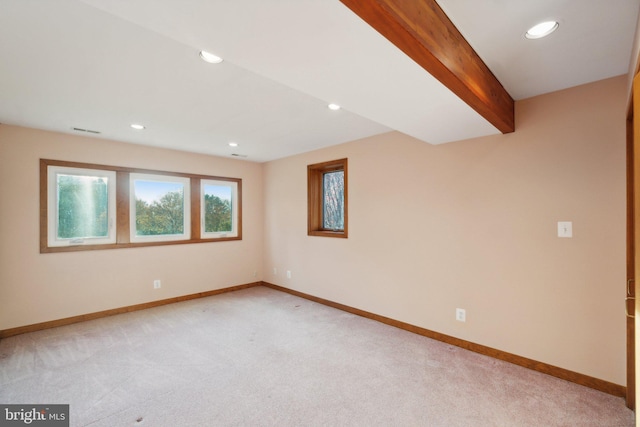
point(159, 208)
point(83, 203)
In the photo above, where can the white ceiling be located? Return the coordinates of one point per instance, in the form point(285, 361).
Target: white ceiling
point(593, 42)
point(104, 64)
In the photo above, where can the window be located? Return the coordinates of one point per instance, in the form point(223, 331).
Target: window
point(82, 203)
point(327, 199)
point(87, 207)
point(160, 208)
point(219, 203)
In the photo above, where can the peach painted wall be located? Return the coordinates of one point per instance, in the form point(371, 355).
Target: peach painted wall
point(473, 224)
point(38, 287)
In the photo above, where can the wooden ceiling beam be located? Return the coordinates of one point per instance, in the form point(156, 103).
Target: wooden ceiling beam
point(422, 30)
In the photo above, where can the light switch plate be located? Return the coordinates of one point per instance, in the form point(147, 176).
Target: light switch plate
point(565, 229)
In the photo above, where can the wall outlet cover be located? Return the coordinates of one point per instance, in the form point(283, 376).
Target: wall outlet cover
point(565, 229)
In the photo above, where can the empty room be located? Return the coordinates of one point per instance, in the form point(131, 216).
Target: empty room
point(322, 212)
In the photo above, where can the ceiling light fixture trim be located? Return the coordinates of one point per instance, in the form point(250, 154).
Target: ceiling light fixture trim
point(541, 30)
point(210, 57)
point(334, 107)
point(137, 126)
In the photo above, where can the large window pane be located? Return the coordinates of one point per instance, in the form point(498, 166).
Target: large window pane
point(83, 201)
point(82, 206)
point(219, 208)
point(160, 207)
point(333, 201)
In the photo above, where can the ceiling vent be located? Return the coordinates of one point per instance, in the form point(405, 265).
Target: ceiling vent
point(86, 130)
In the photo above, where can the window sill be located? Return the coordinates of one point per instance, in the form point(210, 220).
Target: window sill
point(89, 247)
point(328, 233)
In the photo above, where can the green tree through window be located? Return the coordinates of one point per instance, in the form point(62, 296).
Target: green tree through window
point(220, 209)
point(161, 208)
point(164, 216)
point(217, 216)
point(83, 204)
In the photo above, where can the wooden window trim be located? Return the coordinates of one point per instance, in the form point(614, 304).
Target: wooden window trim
point(123, 209)
point(315, 175)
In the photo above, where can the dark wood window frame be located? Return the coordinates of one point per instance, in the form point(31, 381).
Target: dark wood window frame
point(315, 183)
point(123, 208)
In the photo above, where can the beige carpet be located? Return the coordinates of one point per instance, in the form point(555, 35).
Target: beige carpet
point(259, 357)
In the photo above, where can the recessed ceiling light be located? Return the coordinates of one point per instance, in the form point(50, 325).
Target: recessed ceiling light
point(233, 144)
point(334, 107)
point(542, 29)
point(137, 126)
point(210, 57)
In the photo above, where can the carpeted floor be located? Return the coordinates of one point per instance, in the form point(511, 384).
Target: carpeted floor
point(260, 357)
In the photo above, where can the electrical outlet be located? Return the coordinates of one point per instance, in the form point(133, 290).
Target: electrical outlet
point(565, 229)
point(288, 274)
point(461, 315)
point(275, 271)
point(157, 284)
